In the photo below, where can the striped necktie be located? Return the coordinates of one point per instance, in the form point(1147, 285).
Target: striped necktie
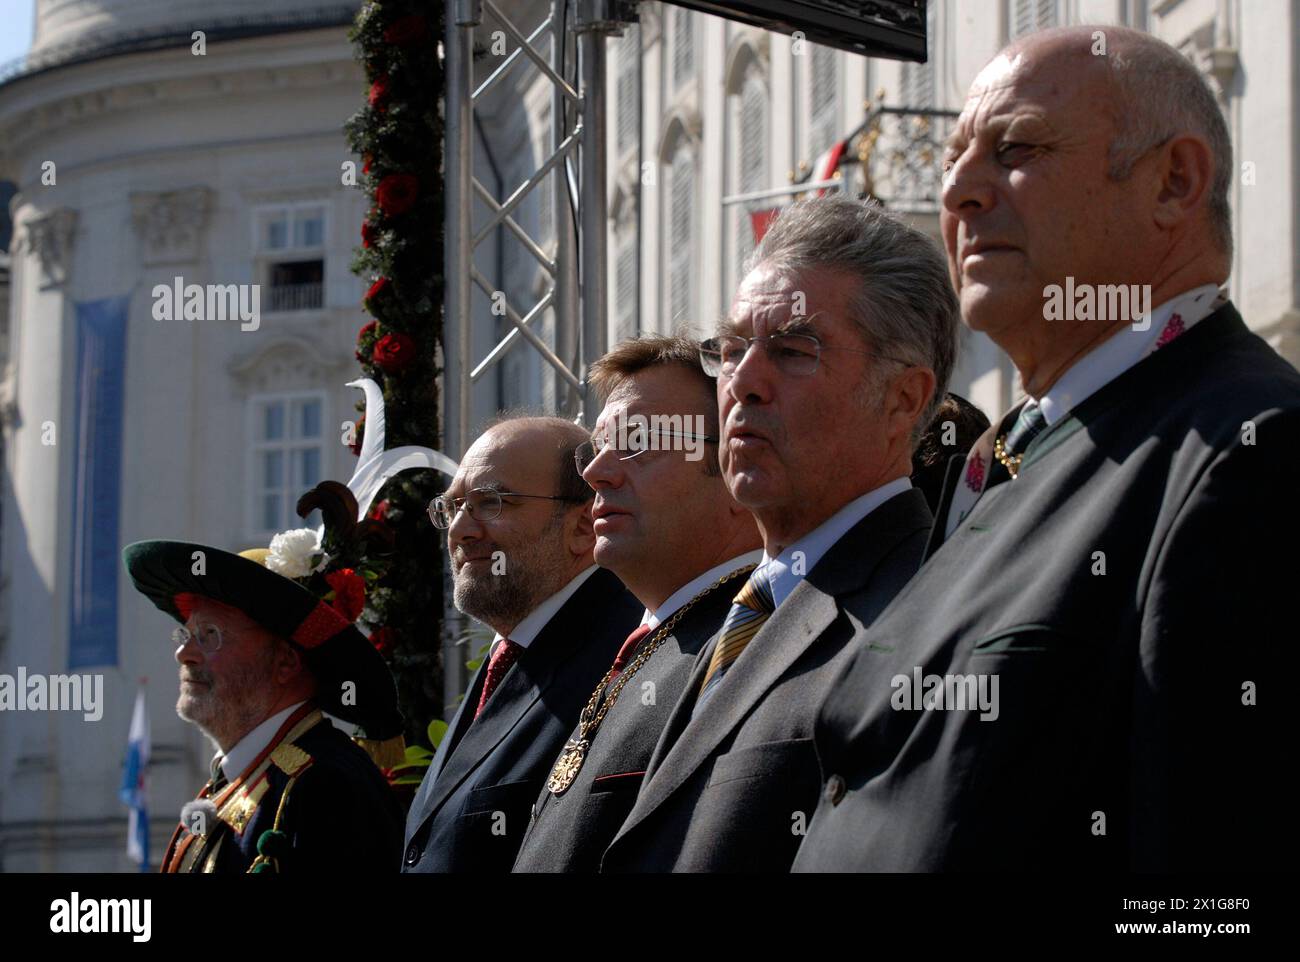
point(750, 609)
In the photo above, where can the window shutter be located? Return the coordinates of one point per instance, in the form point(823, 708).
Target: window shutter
point(683, 47)
point(824, 99)
point(628, 90)
point(680, 240)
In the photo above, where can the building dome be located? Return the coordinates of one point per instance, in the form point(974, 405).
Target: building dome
point(71, 29)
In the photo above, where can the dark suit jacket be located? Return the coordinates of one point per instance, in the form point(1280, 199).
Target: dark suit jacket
point(472, 808)
point(733, 789)
point(341, 815)
point(1121, 739)
point(570, 832)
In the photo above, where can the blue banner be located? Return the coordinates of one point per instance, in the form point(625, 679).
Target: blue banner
point(97, 481)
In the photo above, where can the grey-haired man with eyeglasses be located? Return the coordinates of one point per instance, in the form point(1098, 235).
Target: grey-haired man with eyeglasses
point(835, 355)
point(519, 539)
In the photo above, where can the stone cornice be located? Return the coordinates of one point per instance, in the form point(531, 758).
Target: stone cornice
point(50, 103)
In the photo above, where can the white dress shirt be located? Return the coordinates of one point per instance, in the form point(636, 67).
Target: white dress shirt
point(693, 587)
point(808, 550)
point(528, 629)
point(1119, 352)
point(250, 746)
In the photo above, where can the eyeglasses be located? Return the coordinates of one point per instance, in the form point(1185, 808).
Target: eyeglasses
point(204, 634)
point(794, 354)
point(633, 444)
point(483, 504)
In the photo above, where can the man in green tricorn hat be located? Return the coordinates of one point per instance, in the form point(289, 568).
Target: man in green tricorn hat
point(261, 659)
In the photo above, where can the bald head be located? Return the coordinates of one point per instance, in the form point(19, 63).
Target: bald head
point(523, 525)
point(1150, 92)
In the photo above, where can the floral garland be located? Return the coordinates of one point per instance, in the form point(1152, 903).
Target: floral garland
point(398, 135)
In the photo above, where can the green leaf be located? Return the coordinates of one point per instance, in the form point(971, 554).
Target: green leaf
point(437, 728)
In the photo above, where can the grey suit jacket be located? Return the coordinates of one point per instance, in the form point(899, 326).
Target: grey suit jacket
point(570, 832)
point(471, 810)
point(733, 788)
point(1131, 592)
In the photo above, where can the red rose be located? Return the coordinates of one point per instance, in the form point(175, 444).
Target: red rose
point(349, 592)
point(365, 168)
point(367, 234)
point(378, 96)
point(357, 437)
point(367, 330)
point(377, 288)
point(383, 639)
point(393, 352)
point(397, 192)
point(405, 31)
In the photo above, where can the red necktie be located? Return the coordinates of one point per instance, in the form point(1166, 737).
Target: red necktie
point(498, 665)
point(626, 653)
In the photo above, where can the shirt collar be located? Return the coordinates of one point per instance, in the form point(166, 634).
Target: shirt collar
point(251, 745)
point(693, 587)
point(789, 567)
point(528, 629)
point(1119, 352)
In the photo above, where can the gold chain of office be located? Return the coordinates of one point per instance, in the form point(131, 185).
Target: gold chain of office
point(570, 761)
point(1010, 462)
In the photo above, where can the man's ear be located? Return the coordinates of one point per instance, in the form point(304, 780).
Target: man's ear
point(579, 530)
point(1185, 174)
point(909, 393)
point(288, 665)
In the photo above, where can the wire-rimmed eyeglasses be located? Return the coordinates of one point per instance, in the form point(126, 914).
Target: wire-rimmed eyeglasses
point(791, 353)
point(484, 504)
point(633, 444)
point(204, 634)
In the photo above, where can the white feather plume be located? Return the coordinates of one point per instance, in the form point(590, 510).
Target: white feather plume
point(376, 466)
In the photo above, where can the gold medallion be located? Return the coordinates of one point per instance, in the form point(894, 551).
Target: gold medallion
point(567, 766)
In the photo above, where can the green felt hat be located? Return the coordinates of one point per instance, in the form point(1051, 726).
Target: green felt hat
point(333, 648)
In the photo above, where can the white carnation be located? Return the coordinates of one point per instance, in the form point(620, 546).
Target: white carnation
point(291, 552)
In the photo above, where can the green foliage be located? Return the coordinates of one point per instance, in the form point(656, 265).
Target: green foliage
point(398, 135)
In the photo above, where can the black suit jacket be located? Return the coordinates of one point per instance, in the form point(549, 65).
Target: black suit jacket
point(472, 808)
point(733, 788)
point(1126, 591)
point(570, 832)
point(341, 815)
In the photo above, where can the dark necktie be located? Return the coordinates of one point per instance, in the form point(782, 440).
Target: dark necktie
point(628, 651)
point(1029, 424)
point(504, 656)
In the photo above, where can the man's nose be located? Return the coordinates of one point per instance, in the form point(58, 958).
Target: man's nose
point(752, 380)
point(464, 527)
point(189, 653)
point(968, 185)
point(605, 470)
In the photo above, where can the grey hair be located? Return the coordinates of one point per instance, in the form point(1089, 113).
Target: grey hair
point(905, 305)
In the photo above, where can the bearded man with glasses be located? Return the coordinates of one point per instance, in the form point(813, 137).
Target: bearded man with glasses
point(519, 539)
point(836, 353)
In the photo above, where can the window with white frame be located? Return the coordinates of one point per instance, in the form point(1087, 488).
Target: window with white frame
point(749, 108)
point(287, 451)
point(627, 91)
point(290, 245)
point(1026, 16)
point(681, 234)
point(683, 51)
point(823, 99)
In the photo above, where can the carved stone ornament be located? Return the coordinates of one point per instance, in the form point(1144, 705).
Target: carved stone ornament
point(171, 223)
